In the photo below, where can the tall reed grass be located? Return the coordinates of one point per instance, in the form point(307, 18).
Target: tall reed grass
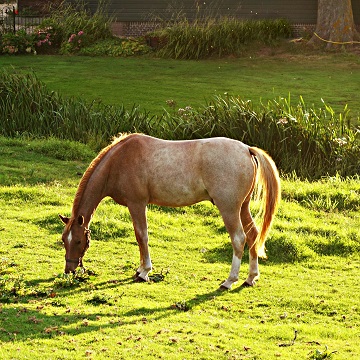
point(207, 37)
point(308, 142)
point(311, 142)
point(29, 108)
point(72, 17)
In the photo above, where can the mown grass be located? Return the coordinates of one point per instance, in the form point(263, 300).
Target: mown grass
point(307, 285)
point(308, 282)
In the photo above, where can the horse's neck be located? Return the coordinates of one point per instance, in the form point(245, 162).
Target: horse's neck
point(90, 198)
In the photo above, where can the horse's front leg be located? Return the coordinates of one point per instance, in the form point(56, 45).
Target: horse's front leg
point(138, 215)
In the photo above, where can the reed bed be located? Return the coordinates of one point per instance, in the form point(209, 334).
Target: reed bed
point(204, 38)
point(308, 142)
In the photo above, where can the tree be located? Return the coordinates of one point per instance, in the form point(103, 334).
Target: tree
point(335, 24)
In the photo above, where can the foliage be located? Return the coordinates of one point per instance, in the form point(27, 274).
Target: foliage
point(72, 279)
point(18, 43)
point(76, 27)
point(47, 37)
point(75, 43)
point(29, 108)
point(203, 38)
point(322, 355)
point(116, 47)
point(309, 141)
point(70, 27)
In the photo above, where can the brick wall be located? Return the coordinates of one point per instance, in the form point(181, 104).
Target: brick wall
point(140, 28)
point(133, 28)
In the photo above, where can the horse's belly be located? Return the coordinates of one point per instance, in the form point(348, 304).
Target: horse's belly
point(173, 193)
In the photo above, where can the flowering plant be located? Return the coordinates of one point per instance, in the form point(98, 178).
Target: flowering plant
point(19, 43)
point(75, 42)
point(43, 38)
point(46, 39)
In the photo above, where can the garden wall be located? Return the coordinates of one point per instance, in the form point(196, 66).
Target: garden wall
point(136, 17)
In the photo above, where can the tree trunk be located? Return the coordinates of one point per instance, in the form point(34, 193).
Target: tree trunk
point(335, 24)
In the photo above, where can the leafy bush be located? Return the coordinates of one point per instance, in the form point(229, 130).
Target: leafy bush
point(76, 27)
point(116, 47)
point(19, 43)
point(216, 37)
point(309, 141)
point(75, 43)
point(47, 38)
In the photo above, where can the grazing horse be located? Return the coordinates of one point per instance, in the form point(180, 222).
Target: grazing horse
point(136, 170)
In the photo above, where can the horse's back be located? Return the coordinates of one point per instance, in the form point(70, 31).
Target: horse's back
point(178, 173)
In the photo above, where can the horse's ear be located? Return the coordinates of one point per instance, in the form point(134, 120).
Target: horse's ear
point(64, 219)
point(80, 220)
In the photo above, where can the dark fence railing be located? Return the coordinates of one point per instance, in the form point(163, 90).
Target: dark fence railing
point(10, 21)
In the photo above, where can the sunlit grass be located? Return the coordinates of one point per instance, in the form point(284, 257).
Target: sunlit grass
point(307, 284)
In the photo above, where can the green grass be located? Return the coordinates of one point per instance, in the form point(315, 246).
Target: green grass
point(150, 82)
point(309, 283)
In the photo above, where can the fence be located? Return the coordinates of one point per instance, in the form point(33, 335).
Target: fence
point(10, 21)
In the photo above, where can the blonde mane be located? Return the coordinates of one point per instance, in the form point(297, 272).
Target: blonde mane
point(93, 165)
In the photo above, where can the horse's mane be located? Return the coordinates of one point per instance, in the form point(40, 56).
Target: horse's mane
point(89, 171)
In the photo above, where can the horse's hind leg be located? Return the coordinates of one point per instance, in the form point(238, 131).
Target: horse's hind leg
point(237, 235)
point(138, 215)
point(251, 234)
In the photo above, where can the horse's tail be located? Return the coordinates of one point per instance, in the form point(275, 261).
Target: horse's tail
point(269, 193)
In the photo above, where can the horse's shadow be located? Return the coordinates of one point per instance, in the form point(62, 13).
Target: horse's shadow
point(185, 305)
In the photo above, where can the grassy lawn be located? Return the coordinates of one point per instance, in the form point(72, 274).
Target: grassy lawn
point(304, 306)
point(151, 82)
point(309, 284)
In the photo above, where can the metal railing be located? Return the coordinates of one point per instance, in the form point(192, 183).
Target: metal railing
point(11, 21)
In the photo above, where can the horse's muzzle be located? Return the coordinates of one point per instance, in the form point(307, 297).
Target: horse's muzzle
point(71, 265)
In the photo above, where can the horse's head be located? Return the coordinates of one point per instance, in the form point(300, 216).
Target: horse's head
point(76, 239)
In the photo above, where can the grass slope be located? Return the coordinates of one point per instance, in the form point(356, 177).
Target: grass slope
point(308, 285)
point(151, 82)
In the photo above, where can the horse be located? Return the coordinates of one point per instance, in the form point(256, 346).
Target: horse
point(136, 170)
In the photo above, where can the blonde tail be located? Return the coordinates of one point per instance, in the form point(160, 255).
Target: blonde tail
point(268, 190)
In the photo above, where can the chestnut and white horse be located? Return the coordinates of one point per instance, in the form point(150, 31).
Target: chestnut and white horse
point(136, 170)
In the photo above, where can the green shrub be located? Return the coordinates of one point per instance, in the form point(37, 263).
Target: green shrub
point(116, 47)
point(15, 44)
point(76, 27)
point(47, 37)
